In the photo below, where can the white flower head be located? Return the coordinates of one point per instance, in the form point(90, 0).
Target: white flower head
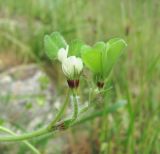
point(72, 67)
point(62, 54)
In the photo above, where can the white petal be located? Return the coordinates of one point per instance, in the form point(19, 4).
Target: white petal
point(79, 65)
point(67, 67)
point(62, 54)
point(72, 66)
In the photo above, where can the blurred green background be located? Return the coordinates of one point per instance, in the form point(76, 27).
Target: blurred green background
point(136, 77)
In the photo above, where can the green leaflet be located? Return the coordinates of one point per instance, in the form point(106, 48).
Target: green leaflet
point(114, 50)
point(53, 43)
point(92, 57)
point(75, 48)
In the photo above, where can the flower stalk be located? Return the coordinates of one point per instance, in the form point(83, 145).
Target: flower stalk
point(61, 112)
point(75, 105)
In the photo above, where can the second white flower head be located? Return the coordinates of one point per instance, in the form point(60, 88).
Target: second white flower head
point(62, 54)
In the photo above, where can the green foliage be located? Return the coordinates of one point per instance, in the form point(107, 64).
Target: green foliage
point(92, 58)
point(114, 49)
point(101, 58)
point(134, 129)
point(53, 43)
point(75, 47)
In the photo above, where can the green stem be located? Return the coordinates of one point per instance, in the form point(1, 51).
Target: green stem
point(75, 106)
point(100, 113)
point(25, 136)
point(89, 102)
point(25, 142)
point(60, 113)
point(41, 131)
point(45, 130)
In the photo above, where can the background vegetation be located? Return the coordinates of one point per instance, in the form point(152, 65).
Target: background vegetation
point(136, 78)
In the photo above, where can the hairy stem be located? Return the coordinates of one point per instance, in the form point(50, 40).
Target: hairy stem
point(60, 113)
point(41, 131)
point(75, 106)
point(25, 136)
point(45, 130)
point(25, 142)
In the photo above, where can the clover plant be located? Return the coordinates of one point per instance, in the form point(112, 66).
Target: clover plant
point(74, 57)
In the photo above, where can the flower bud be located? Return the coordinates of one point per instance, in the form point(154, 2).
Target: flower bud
point(62, 54)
